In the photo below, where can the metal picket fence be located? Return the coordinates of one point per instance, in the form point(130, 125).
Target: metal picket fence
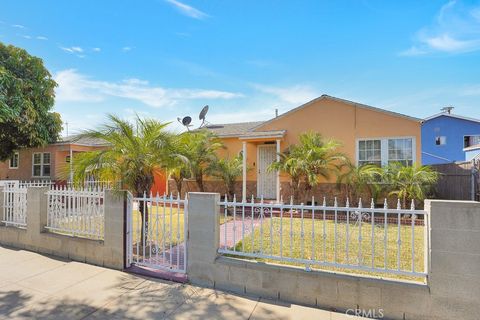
point(76, 212)
point(379, 240)
point(156, 229)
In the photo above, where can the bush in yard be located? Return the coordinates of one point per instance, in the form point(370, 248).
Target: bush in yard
point(355, 180)
point(26, 101)
point(228, 170)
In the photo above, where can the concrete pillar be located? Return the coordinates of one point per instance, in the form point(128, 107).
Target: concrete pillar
point(36, 210)
point(203, 236)
point(114, 242)
point(453, 276)
point(244, 171)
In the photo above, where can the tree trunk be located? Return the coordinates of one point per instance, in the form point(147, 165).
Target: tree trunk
point(199, 180)
point(143, 209)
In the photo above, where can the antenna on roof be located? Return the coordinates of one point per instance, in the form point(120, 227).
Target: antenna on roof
point(447, 109)
point(185, 121)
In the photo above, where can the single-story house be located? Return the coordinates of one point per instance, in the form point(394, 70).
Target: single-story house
point(448, 137)
point(51, 162)
point(367, 134)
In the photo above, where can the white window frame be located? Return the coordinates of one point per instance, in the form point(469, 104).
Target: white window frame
point(42, 164)
point(384, 147)
point(10, 161)
point(468, 135)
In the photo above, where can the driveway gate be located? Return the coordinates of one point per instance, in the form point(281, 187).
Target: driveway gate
point(156, 230)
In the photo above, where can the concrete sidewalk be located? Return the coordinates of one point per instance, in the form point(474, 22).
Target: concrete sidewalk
point(34, 286)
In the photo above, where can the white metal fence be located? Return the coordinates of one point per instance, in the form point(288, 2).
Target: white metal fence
point(379, 240)
point(76, 212)
point(156, 228)
point(14, 205)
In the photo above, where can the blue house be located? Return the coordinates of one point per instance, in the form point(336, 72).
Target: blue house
point(448, 137)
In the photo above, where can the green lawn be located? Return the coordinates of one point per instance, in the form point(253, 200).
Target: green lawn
point(294, 247)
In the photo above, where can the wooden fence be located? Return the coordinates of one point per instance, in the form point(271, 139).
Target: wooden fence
point(458, 181)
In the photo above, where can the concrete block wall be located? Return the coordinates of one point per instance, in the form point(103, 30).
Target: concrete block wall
point(452, 291)
point(108, 253)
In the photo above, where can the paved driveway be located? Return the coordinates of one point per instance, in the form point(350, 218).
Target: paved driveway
point(34, 286)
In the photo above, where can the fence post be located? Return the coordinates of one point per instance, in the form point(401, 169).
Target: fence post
point(114, 255)
point(36, 211)
point(203, 236)
point(1, 203)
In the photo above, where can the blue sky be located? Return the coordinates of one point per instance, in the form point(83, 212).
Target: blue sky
point(168, 58)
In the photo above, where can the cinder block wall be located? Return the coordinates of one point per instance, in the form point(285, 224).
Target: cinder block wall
point(35, 237)
point(452, 291)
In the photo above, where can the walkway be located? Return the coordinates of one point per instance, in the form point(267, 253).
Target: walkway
point(34, 286)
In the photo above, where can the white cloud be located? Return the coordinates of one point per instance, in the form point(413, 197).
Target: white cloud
point(19, 26)
point(126, 49)
point(27, 37)
point(96, 49)
point(456, 29)
point(187, 10)
point(72, 49)
point(41, 38)
point(74, 86)
point(293, 95)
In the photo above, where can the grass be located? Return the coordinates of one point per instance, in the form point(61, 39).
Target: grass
point(269, 242)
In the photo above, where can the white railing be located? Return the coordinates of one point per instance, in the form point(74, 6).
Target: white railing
point(89, 184)
point(14, 205)
point(379, 240)
point(36, 183)
point(76, 212)
point(158, 225)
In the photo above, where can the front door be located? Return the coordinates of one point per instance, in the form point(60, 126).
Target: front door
point(266, 181)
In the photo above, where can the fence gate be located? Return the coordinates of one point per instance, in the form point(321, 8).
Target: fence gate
point(156, 229)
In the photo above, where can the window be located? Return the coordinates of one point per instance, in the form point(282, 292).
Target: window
point(440, 140)
point(14, 160)
point(369, 152)
point(400, 150)
point(469, 141)
point(67, 159)
point(41, 164)
point(384, 151)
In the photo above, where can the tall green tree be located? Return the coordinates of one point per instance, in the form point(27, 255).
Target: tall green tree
point(26, 101)
point(136, 152)
point(228, 170)
point(290, 165)
point(200, 149)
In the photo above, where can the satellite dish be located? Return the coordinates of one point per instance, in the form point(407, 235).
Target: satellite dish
point(202, 115)
point(186, 121)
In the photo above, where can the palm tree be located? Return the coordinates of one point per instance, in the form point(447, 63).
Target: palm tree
point(199, 149)
point(318, 158)
point(307, 161)
point(290, 165)
point(358, 179)
point(136, 152)
point(228, 170)
point(410, 182)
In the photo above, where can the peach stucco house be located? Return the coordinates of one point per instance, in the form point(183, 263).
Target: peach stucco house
point(51, 162)
point(367, 135)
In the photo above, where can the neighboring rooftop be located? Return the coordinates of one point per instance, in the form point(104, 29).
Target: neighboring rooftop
point(74, 139)
point(233, 129)
point(456, 116)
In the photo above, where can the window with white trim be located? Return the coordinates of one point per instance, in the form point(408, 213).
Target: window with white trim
point(385, 151)
point(369, 152)
point(14, 161)
point(41, 164)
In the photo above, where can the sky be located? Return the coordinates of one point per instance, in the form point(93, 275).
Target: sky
point(244, 58)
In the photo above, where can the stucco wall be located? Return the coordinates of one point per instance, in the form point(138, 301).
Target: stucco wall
point(452, 291)
point(35, 237)
point(336, 120)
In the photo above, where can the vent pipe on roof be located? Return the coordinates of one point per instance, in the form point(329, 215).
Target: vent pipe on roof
point(276, 112)
point(447, 109)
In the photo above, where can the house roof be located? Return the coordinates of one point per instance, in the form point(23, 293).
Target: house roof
point(232, 129)
point(456, 116)
point(263, 134)
point(83, 141)
point(355, 104)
